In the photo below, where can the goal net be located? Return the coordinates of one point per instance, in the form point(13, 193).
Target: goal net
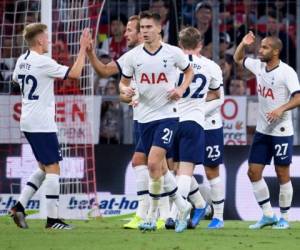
point(77, 110)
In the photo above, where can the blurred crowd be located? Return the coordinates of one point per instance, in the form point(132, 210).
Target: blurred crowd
point(235, 19)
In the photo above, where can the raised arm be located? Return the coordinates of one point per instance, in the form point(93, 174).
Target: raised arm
point(239, 53)
point(103, 70)
point(76, 69)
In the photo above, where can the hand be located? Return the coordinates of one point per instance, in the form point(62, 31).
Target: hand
point(85, 39)
point(175, 94)
point(249, 38)
point(128, 91)
point(274, 115)
point(90, 49)
point(134, 103)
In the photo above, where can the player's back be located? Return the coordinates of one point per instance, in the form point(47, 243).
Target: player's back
point(192, 103)
point(35, 74)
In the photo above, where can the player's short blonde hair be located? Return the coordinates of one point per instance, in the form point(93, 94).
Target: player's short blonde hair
point(189, 38)
point(31, 30)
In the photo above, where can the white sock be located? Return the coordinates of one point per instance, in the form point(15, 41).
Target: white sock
point(184, 185)
point(194, 194)
point(52, 195)
point(262, 195)
point(142, 186)
point(33, 184)
point(164, 207)
point(155, 190)
point(171, 187)
point(285, 199)
point(217, 196)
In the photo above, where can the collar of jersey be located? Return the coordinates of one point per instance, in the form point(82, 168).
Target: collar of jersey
point(273, 68)
point(154, 53)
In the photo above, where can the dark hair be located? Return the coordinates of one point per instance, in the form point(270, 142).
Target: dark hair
point(204, 5)
point(137, 19)
point(166, 3)
point(122, 18)
point(272, 14)
point(150, 15)
point(276, 42)
point(189, 38)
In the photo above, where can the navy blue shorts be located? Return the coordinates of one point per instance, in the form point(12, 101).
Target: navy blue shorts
point(189, 143)
point(264, 147)
point(45, 147)
point(158, 133)
point(137, 137)
point(214, 147)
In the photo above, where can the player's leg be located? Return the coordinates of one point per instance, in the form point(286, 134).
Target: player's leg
point(155, 162)
point(283, 151)
point(50, 156)
point(17, 212)
point(188, 143)
point(33, 184)
point(139, 164)
point(285, 196)
point(184, 207)
point(170, 222)
point(260, 155)
point(214, 148)
point(164, 202)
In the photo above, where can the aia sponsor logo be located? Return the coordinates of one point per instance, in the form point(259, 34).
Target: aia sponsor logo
point(154, 78)
point(265, 92)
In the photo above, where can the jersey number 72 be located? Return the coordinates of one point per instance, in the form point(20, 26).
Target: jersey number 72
point(29, 79)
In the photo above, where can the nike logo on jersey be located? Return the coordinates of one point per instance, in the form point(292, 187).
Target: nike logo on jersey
point(140, 64)
point(214, 159)
point(284, 157)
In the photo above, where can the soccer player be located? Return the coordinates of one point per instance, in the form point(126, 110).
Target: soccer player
point(278, 93)
point(189, 139)
point(154, 66)
point(214, 148)
point(139, 159)
point(35, 73)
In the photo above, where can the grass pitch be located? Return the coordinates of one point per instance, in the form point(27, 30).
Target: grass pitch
point(107, 233)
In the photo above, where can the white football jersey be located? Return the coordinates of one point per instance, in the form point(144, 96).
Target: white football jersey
point(155, 74)
point(120, 62)
point(207, 75)
point(213, 117)
point(274, 89)
point(35, 74)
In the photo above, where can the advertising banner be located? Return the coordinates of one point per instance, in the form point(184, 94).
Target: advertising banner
point(75, 206)
point(116, 185)
point(234, 113)
point(77, 118)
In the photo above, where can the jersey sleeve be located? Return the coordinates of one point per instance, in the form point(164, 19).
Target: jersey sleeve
point(292, 82)
point(251, 64)
point(56, 70)
point(217, 79)
point(211, 106)
point(15, 74)
point(120, 62)
point(180, 59)
point(128, 69)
